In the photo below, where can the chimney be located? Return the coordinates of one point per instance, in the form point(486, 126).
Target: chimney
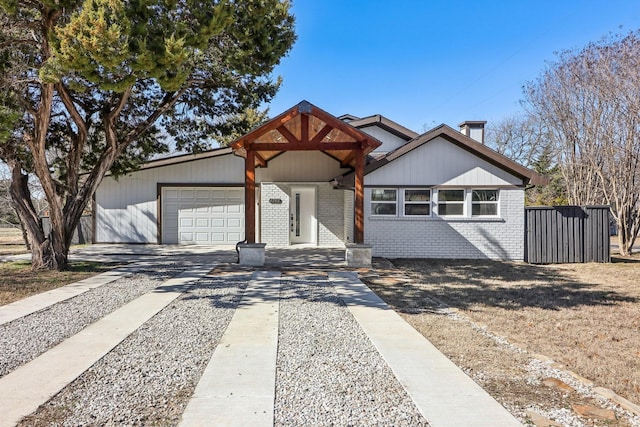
point(474, 129)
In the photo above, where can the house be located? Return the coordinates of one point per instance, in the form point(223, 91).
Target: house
point(309, 178)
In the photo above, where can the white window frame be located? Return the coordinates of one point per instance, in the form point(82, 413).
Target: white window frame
point(394, 202)
point(406, 202)
point(496, 202)
point(463, 202)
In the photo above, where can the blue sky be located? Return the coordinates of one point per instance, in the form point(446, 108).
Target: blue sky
point(426, 62)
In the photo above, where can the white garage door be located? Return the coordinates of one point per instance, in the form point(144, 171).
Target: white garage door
point(203, 215)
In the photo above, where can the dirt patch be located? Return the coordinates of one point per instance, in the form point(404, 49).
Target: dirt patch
point(18, 281)
point(586, 317)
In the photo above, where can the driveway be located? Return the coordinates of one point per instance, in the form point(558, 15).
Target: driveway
point(188, 336)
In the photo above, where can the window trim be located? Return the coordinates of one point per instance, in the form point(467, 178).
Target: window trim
point(462, 202)
point(389, 202)
point(480, 202)
point(417, 202)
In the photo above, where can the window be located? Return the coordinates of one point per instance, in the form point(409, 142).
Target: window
point(450, 202)
point(484, 203)
point(417, 202)
point(383, 201)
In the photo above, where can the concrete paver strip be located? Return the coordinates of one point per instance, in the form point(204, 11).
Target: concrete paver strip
point(29, 305)
point(238, 385)
point(443, 393)
point(26, 388)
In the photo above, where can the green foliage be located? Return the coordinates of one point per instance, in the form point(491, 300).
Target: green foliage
point(104, 85)
point(236, 126)
point(554, 193)
point(219, 53)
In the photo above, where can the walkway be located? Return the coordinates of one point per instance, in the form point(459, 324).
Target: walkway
point(241, 382)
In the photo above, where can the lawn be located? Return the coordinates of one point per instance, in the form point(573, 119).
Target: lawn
point(18, 281)
point(584, 316)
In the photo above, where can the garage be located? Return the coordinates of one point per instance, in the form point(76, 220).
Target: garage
point(202, 215)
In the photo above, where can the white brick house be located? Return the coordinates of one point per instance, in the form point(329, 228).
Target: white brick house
point(441, 194)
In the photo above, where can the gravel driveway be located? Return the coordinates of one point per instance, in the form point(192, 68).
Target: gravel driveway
point(328, 373)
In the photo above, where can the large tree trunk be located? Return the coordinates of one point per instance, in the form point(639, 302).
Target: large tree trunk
point(47, 251)
point(628, 224)
point(23, 229)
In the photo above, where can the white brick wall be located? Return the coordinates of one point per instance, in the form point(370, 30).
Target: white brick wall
point(434, 237)
point(275, 217)
point(330, 208)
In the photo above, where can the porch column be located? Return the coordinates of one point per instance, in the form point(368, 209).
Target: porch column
point(358, 254)
point(250, 197)
point(359, 198)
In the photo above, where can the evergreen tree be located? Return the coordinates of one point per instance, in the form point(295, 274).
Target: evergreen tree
point(95, 81)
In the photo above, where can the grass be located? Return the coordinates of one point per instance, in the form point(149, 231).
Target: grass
point(11, 242)
point(585, 316)
point(18, 281)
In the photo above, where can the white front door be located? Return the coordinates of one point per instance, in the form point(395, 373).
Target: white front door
point(302, 215)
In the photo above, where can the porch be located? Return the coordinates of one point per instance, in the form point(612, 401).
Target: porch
point(288, 212)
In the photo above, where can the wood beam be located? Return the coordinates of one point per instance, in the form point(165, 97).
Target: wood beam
point(267, 127)
point(344, 127)
point(320, 135)
point(349, 158)
point(287, 134)
point(304, 128)
point(250, 198)
point(288, 146)
point(260, 160)
point(359, 198)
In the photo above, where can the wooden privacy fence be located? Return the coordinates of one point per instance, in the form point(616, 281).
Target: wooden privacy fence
point(83, 233)
point(564, 234)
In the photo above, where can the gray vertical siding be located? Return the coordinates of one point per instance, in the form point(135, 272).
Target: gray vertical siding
point(567, 234)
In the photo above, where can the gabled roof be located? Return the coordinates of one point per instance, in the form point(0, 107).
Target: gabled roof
point(462, 141)
point(184, 158)
point(306, 127)
point(348, 117)
point(384, 123)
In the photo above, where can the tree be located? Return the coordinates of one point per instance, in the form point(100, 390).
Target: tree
point(236, 125)
point(554, 193)
point(589, 99)
point(524, 139)
point(519, 137)
point(96, 82)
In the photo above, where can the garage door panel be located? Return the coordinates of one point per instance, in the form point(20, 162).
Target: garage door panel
point(218, 238)
point(235, 237)
point(202, 222)
point(186, 236)
point(171, 195)
point(234, 222)
point(203, 215)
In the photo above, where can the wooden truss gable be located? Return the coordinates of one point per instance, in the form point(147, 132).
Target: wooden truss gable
point(302, 128)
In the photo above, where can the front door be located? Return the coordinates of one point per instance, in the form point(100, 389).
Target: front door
point(302, 215)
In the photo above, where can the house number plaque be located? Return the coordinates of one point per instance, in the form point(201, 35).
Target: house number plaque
point(275, 201)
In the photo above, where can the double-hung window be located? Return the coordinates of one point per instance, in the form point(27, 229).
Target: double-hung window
point(417, 202)
point(450, 202)
point(384, 201)
point(484, 202)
